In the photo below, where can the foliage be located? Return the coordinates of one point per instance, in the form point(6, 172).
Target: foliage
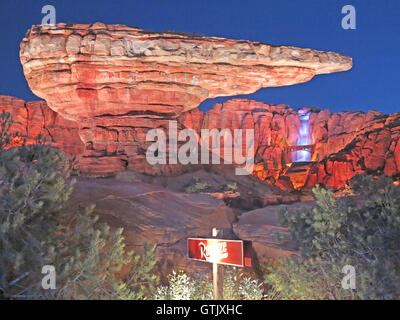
point(182, 287)
point(337, 232)
point(36, 229)
point(5, 124)
point(283, 159)
point(231, 186)
point(284, 141)
point(236, 287)
point(239, 287)
point(259, 159)
point(306, 280)
point(196, 186)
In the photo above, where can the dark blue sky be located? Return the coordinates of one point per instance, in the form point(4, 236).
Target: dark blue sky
point(373, 83)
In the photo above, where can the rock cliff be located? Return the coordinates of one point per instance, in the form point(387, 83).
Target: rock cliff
point(105, 86)
point(33, 120)
point(118, 81)
point(343, 144)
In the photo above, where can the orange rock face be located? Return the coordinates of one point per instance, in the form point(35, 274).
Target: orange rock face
point(367, 145)
point(275, 128)
point(343, 144)
point(340, 151)
point(31, 119)
point(118, 81)
point(115, 69)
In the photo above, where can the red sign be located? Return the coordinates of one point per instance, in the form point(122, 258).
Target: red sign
point(221, 251)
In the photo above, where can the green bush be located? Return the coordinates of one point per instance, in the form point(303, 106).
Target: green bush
point(182, 287)
point(231, 187)
point(36, 229)
point(236, 287)
point(239, 287)
point(337, 232)
point(196, 186)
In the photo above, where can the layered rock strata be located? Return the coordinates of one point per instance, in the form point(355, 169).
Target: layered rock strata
point(118, 81)
point(35, 120)
point(343, 144)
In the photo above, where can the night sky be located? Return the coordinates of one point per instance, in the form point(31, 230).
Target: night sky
point(373, 83)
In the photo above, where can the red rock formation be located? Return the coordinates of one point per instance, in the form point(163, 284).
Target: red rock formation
point(275, 128)
point(155, 215)
point(120, 81)
point(269, 238)
point(344, 143)
point(31, 119)
point(372, 147)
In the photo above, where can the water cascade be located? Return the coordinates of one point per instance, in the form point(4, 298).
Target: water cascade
point(304, 137)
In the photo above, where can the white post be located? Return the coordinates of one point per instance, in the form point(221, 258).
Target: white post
point(218, 272)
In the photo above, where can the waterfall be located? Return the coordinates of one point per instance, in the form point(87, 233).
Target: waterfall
point(304, 136)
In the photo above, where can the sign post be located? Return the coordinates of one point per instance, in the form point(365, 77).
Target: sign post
point(219, 252)
point(218, 272)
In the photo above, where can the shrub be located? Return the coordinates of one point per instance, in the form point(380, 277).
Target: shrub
point(196, 186)
point(182, 287)
point(236, 287)
point(339, 232)
point(36, 229)
point(231, 186)
point(239, 287)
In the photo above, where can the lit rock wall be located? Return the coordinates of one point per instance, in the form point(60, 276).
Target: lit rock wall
point(118, 81)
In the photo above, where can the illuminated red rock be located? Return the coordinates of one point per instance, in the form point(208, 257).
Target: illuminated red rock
point(31, 119)
point(116, 69)
point(16, 107)
point(343, 144)
point(357, 142)
point(341, 151)
point(397, 154)
point(275, 128)
point(118, 81)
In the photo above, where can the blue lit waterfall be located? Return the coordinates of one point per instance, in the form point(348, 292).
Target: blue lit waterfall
point(304, 136)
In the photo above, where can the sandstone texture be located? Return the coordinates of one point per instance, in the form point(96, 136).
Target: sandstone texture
point(242, 192)
point(269, 239)
point(342, 144)
point(275, 128)
point(110, 84)
point(115, 69)
point(155, 215)
point(118, 81)
point(34, 119)
point(347, 143)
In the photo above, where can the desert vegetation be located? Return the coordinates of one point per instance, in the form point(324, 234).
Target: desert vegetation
point(362, 232)
point(36, 229)
point(92, 262)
